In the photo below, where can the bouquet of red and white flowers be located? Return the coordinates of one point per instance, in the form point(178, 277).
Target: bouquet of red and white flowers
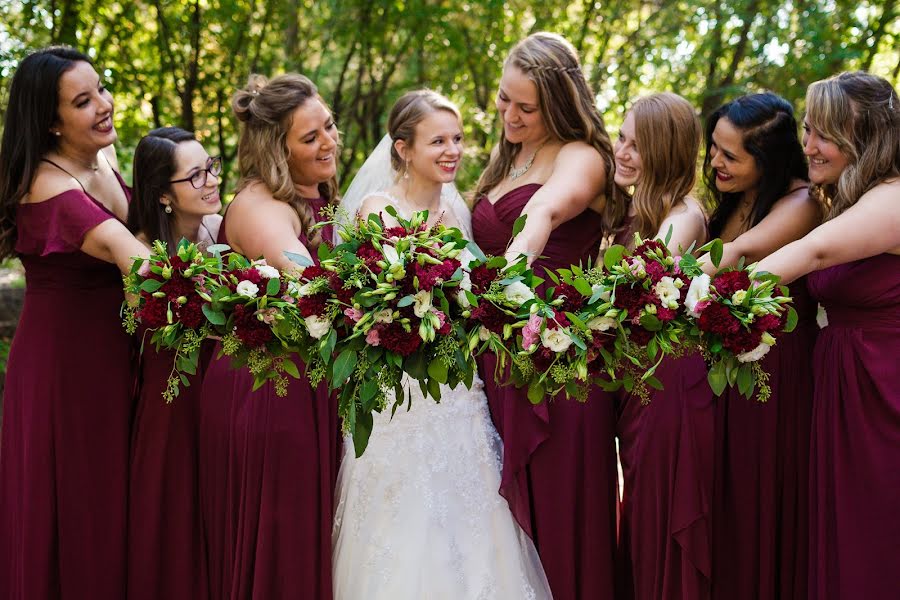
point(391, 291)
point(171, 300)
point(737, 316)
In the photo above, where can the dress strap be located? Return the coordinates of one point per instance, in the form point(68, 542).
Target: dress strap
point(47, 160)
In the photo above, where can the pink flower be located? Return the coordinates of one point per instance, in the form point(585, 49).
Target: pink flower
point(372, 338)
point(354, 314)
point(531, 333)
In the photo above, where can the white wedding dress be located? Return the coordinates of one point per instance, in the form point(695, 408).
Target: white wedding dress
point(419, 516)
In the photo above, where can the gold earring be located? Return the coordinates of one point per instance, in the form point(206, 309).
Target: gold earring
point(406, 170)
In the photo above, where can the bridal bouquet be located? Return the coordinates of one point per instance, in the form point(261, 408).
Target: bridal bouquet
point(172, 301)
point(392, 314)
point(737, 315)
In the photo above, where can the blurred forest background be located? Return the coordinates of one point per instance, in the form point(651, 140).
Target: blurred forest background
point(177, 62)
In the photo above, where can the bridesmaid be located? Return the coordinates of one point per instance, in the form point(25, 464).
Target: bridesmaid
point(176, 195)
point(67, 404)
point(665, 446)
point(268, 464)
point(553, 163)
point(852, 139)
point(756, 173)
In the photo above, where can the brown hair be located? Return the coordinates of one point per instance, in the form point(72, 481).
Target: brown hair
point(410, 110)
point(567, 109)
point(667, 132)
point(860, 113)
point(265, 109)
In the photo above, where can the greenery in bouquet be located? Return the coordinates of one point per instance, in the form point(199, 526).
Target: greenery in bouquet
point(737, 315)
point(169, 299)
point(395, 312)
point(253, 307)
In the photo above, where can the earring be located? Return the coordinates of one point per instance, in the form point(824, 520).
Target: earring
point(168, 209)
point(57, 134)
point(406, 170)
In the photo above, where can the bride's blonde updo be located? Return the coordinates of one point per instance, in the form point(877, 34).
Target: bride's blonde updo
point(265, 108)
point(410, 110)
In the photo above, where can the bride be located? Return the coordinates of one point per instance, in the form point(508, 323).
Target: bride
point(418, 516)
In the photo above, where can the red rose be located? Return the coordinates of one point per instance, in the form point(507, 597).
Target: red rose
point(743, 340)
point(718, 319)
point(573, 300)
point(396, 339)
point(729, 282)
point(252, 332)
point(481, 278)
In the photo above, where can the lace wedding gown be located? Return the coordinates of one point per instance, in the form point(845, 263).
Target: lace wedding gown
point(419, 515)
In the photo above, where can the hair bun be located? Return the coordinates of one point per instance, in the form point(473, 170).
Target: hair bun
point(242, 102)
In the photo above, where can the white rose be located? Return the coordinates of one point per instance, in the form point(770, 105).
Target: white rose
point(667, 292)
point(384, 316)
point(484, 334)
point(698, 292)
point(602, 324)
point(247, 289)
point(518, 293)
point(317, 326)
point(390, 254)
point(422, 303)
point(267, 271)
point(755, 354)
point(557, 340)
point(604, 295)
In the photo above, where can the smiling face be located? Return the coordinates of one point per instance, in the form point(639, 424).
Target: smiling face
point(312, 143)
point(736, 170)
point(826, 161)
point(628, 159)
point(190, 158)
point(437, 146)
point(519, 107)
point(85, 110)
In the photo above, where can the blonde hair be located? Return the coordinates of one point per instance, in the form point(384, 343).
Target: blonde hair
point(860, 113)
point(410, 110)
point(567, 109)
point(265, 109)
point(667, 131)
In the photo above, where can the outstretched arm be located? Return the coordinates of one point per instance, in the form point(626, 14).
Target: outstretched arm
point(578, 178)
point(868, 228)
point(791, 217)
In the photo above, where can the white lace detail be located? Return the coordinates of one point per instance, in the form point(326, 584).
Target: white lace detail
point(419, 516)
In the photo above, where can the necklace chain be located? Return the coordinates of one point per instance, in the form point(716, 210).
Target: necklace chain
point(515, 173)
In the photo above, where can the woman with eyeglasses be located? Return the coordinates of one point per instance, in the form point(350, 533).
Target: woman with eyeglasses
point(67, 406)
point(176, 196)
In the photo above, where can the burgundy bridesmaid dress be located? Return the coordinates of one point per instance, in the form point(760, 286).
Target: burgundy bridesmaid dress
point(666, 451)
point(268, 467)
point(855, 448)
point(559, 458)
point(761, 501)
point(164, 536)
point(67, 414)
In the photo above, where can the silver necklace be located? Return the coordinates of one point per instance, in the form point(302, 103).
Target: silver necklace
point(515, 173)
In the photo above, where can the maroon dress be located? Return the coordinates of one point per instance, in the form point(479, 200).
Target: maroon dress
point(67, 414)
point(855, 448)
point(666, 451)
point(268, 467)
point(559, 458)
point(760, 511)
point(164, 543)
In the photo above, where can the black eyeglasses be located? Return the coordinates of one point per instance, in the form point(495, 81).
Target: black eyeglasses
point(198, 179)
